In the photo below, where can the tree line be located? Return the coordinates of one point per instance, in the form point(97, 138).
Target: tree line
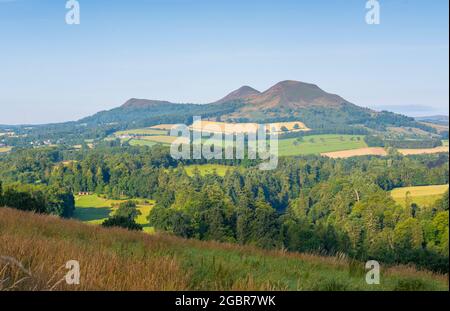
point(308, 204)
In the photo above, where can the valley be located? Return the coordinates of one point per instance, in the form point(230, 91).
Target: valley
point(351, 184)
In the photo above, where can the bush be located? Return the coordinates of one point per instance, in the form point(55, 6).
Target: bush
point(122, 222)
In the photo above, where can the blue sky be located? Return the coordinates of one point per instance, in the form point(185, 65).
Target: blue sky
point(198, 51)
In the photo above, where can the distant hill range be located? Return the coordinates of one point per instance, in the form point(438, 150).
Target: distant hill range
point(285, 101)
point(438, 119)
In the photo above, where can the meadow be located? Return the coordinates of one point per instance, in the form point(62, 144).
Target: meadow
point(93, 209)
point(421, 195)
point(316, 144)
point(36, 248)
point(141, 142)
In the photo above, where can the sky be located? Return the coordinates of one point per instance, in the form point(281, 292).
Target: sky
point(197, 51)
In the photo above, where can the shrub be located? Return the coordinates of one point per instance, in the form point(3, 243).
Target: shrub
point(122, 222)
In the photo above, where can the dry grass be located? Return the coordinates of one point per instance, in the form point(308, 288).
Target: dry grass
point(35, 249)
point(106, 263)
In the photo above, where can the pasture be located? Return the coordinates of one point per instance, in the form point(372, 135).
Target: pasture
point(317, 144)
point(141, 142)
point(142, 131)
point(94, 210)
point(421, 195)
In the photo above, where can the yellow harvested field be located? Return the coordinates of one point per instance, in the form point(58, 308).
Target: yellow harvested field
point(355, 152)
point(424, 151)
point(232, 128)
point(381, 152)
point(5, 149)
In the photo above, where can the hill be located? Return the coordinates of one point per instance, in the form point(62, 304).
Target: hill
point(291, 96)
point(286, 101)
point(244, 93)
point(438, 119)
point(34, 249)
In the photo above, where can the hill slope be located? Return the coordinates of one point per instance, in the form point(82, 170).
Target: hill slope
point(115, 259)
point(244, 93)
point(285, 101)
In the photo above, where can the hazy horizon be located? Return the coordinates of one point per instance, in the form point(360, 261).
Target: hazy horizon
point(198, 51)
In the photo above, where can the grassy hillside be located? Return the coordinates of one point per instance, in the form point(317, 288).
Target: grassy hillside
point(115, 259)
point(422, 195)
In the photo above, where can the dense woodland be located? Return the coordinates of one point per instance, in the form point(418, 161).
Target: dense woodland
point(308, 204)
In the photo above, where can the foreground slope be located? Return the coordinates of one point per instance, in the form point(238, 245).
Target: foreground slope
point(35, 248)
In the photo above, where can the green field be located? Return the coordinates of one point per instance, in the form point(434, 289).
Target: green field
point(141, 142)
point(94, 210)
point(445, 142)
point(316, 144)
point(422, 195)
point(151, 140)
point(162, 139)
point(208, 169)
point(143, 131)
